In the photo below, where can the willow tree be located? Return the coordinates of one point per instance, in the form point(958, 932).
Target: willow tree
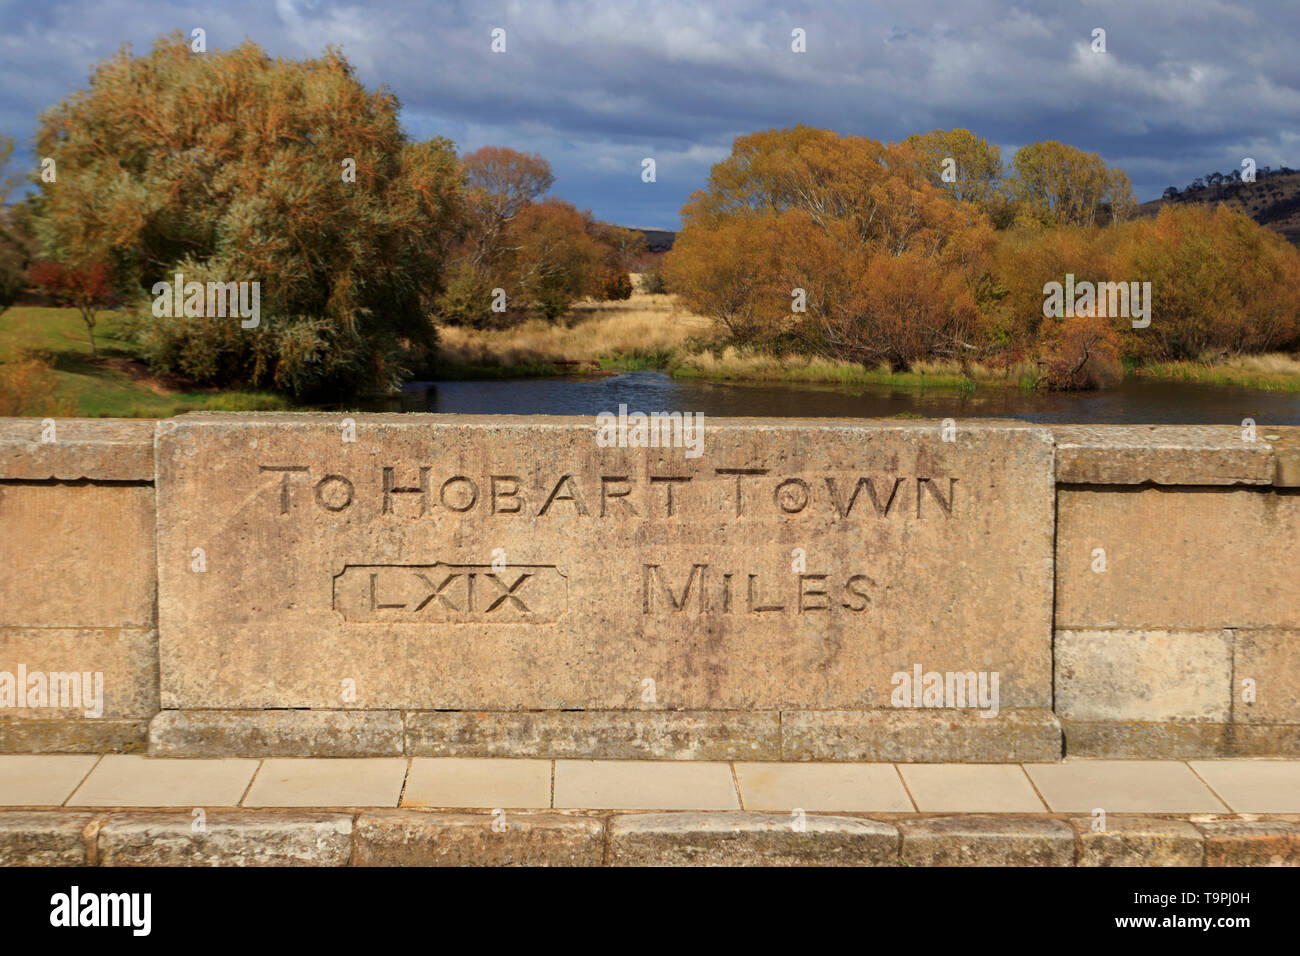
point(833, 245)
point(238, 167)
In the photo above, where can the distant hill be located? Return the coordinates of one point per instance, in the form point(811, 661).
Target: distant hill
point(1272, 200)
point(658, 240)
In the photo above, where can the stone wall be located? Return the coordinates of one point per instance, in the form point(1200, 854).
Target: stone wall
point(466, 585)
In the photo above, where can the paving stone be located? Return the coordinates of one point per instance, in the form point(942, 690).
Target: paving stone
point(478, 783)
point(231, 838)
point(750, 839)
point(644, 785)
point(417, 838)
point(128, 780)
point(1122, 786)
point(1138, 841)
point(330, 782)
point(1254, 786)
point(987, 841)
point(41, 780)
point(835, 787)
point(970, 788)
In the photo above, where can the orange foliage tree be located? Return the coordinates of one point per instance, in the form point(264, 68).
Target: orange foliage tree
point(836, 246)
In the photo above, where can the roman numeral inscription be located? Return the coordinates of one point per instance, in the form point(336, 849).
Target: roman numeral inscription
point(452, 593)
point(500, 563)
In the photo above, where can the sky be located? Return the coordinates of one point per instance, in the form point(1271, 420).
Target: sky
point(1183, 88)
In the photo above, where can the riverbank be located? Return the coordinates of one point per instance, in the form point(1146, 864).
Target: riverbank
point(46, 368)
point(652, 332)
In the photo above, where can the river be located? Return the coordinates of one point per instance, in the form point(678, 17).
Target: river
point(1132, 402)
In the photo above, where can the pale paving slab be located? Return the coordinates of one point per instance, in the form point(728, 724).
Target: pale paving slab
point(128, 780)
point(970, 788)
point(33, 780)
point(822, 787)
point(1123, 786)
point(484, 783)
point(644, 785)
point(328, 782)
point(1254, 786)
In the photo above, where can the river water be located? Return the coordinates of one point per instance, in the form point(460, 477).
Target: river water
point(1132, 402)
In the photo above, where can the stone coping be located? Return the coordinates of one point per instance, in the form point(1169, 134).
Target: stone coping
point(99, 449)
point(687, 838)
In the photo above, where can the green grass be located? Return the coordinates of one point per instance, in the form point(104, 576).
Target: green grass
point(95, 388)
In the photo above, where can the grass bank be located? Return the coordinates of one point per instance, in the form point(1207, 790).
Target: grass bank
point(48, 370)
point(1272, 372)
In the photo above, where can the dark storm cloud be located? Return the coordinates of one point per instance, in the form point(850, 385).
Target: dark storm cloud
point(1183, 88)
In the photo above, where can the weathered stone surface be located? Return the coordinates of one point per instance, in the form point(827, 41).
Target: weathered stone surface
point(749, 839)
point(95, 448)
point(921, 735)
point(610, 590)
point(1264, 740)
point(1138, 841)
point(1163, 454)
point(76, 555)
point(276, 733)
point(1127, 675)
point(417, 838)
point(1286, 455)
point(73, 736)
point(987, 841)
point(43, 838)
point(657, 735)
point(1178, 558)
point(1135, 738)
point(229, 838)
point(1271, 659)
point(125, 658)
point(1251, 843)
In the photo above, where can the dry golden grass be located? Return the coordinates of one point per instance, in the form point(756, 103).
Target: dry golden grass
point(1272, 371)
point(642, 327)
point(735, 364)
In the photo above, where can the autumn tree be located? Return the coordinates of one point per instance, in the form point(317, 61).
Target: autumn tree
point(88, 288)
point(966, 166)
point(234, 166)
point(833, 245)
point(1221, 284)
point(518, 255)
point(621, 250)
point(1056, 184)
point(13, 241)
